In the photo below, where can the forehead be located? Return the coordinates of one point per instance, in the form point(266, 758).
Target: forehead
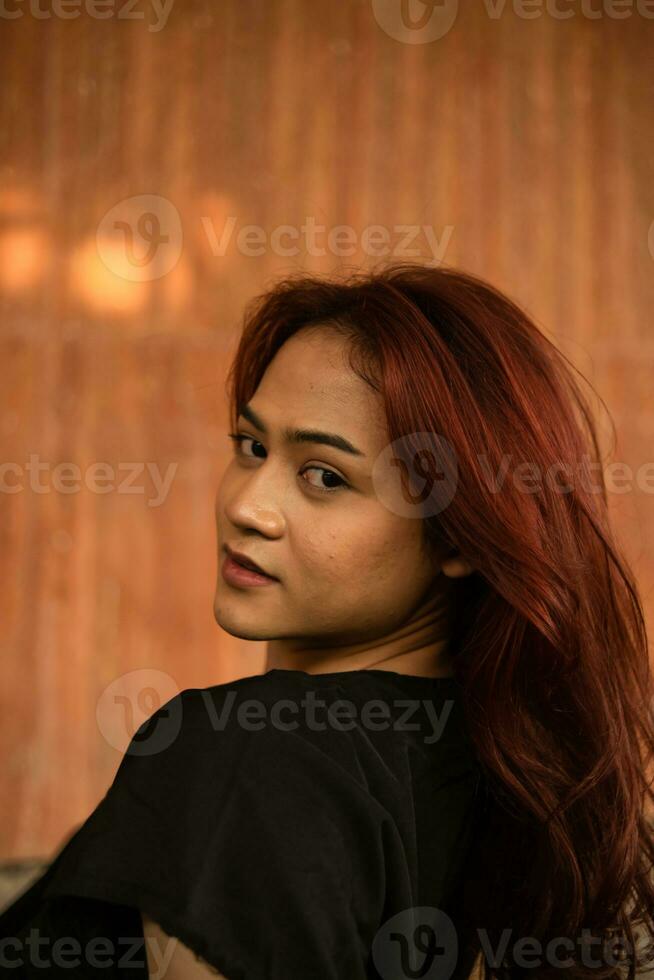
point(310, 382)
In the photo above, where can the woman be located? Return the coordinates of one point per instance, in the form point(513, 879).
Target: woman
point(415, 520)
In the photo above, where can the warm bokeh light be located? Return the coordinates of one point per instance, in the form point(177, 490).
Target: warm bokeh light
point(177, 288)
point(103, 289)
point(25, 256)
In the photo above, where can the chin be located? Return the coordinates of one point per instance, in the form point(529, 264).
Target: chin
point(241, 623)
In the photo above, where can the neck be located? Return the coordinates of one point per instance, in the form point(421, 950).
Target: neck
point(419, 647)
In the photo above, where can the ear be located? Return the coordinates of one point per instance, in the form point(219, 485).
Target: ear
point(456, 567)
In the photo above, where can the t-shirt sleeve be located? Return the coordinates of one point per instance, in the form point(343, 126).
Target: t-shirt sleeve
point(255, 848)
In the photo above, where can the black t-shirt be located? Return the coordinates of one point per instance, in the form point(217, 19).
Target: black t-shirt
point(284, 826)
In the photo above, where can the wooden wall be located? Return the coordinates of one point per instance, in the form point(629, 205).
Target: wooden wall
point(523, 144)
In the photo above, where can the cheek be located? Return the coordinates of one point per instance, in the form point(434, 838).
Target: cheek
point(364, 581)
point(372, 556)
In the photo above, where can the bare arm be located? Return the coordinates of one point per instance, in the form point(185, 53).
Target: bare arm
point(170, 959)
point(477, 972)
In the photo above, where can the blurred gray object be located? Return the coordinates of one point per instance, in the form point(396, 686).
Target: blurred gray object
point(16, 876)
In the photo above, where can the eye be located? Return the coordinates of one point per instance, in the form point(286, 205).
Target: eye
point(240, 438)
point(331, 475)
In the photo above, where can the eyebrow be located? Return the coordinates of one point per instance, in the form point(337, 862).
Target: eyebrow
point(304, 435)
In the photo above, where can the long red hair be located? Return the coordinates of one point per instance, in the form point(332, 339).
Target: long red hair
point(550, 640)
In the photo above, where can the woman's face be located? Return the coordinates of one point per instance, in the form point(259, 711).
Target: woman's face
point(349, 569)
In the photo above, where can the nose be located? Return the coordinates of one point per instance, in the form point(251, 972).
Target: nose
point(251, 503)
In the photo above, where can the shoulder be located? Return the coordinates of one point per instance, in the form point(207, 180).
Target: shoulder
point(253, 714)
point(265, 735)
point(353, 733)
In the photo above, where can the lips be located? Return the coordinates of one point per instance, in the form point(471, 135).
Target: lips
point(242, 559)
